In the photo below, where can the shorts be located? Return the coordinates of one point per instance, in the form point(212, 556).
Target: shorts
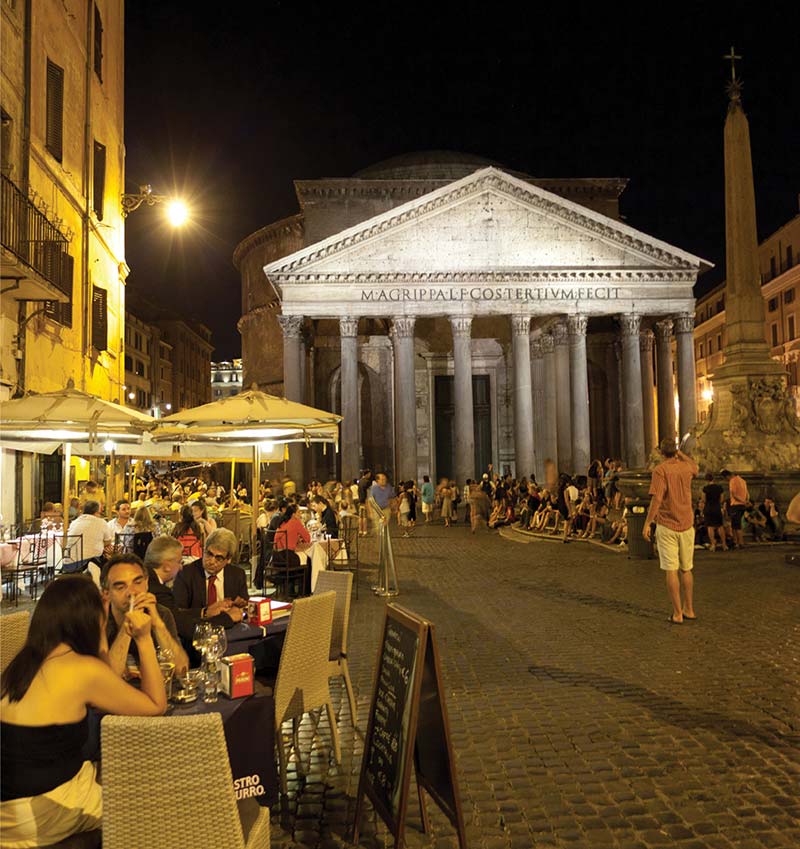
point(737, 512)
point(675, 549)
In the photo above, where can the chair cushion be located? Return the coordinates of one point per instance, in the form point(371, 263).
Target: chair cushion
point(83, 840)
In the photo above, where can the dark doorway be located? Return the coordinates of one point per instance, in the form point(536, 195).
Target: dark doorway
point(444, 417)
point(51, 467)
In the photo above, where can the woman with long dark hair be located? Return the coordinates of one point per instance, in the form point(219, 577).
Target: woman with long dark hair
point(190, 534)
point(47, 790)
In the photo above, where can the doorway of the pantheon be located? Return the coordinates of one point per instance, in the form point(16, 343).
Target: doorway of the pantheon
point(444, 419)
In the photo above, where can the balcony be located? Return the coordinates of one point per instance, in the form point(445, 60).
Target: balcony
point(34, 252)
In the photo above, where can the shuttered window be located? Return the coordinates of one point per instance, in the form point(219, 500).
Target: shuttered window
point(55, 110)
point(58, 312)
point(99, 318)
point(99, 179)
point(98, 44)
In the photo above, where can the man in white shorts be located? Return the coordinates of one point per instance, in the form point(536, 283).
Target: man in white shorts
point(671, 510)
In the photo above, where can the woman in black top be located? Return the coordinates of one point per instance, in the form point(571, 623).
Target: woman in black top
point(47, 791)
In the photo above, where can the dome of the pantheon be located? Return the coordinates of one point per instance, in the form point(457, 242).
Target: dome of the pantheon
point(430, 165)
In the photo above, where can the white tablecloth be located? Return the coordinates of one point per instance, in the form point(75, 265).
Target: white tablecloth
point(318, 553)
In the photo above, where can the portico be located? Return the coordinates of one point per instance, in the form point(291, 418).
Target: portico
point(490, 284)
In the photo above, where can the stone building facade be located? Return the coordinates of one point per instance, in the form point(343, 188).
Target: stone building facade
point(226, 379)
point(458, 314)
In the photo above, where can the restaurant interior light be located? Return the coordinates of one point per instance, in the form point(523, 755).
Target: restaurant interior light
point(267, 445)
point(109, 445)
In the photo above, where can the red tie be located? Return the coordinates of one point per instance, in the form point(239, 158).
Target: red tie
point(211, 594)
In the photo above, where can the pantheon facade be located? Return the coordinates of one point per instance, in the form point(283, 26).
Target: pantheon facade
point(457, 314)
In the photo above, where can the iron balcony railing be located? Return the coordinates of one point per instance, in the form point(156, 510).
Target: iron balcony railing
point(35, 241)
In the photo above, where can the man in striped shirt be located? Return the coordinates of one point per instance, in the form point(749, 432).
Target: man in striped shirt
point(671, 510)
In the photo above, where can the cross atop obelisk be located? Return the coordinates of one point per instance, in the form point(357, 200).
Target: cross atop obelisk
point(735, 85)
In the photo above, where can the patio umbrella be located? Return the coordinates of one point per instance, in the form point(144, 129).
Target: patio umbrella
point(251, 419)
point(43, 422)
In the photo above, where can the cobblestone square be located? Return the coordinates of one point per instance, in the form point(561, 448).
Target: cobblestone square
point(580, 717)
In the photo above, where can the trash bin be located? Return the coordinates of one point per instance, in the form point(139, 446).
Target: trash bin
point(638, 546)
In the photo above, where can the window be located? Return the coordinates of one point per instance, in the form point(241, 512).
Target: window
point(772, 305)
point(99, 179)
point(7, 126)
point(790, 328)
point(701, 351)
point(789, 256)
point(128, 363)
point(719, 342)
point(99, 318)
point(788, 296)
point(140, 368)
point(772, 268)
point(98, 44)
point(137, 341)
point(54, 134)
point(774, 330)
point(58, 312)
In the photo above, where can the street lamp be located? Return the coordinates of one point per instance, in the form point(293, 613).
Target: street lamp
point(177, 211)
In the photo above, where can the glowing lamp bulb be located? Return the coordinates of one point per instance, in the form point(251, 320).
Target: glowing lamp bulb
point(177, 213)
point(267, 445)
point(131, 395)
point(108, 446)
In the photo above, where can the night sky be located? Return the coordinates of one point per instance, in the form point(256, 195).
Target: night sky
point(228, 107)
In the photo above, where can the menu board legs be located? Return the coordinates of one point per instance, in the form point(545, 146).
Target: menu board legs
point(408, 721)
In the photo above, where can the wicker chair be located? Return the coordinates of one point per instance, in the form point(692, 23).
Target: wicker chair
point(302, 682)
point(190, 796)
point(13, 633)
point(342, 584)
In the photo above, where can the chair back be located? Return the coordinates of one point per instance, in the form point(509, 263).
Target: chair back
point(230, 519)
point(302, 682)
point(192, 545)
point(67, 550)
point(13, 633)
point(123, 543)
point(342, 584)
point(140, 542)
point(190, 796)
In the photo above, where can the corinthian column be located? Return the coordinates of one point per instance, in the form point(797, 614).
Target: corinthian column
point(351, 450)
point(579, 393)
point(537, 393)
point(291, 326)
point(549, 413)
point(523, 397)
point(666, 392)
point(632, 392)
point(465, 422)
point(687, 398)
point(405, 397)
point(563, 398)
point(646, 339)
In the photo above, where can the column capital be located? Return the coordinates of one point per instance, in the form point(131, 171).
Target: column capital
point(520, 325)
point(664, 329)
point(547, 343)
point(577, 324)
point(629, 324)
point(646, 340)
point(684, 323)
point(403, 326)
point(348, 327)
point(461, 326)
point(291, 325)
point(558, 333)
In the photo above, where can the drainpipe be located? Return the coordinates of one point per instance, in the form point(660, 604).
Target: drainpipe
point(86, 187)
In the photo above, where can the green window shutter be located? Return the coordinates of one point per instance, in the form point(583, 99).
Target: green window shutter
point(54, 139)
point(99, 318)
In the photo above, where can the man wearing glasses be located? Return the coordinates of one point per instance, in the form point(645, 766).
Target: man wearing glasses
point(212, 587)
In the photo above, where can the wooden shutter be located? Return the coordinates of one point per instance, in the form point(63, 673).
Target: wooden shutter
point(99, 179)
point(55, 110)
point(99, 318)
point(98, 44)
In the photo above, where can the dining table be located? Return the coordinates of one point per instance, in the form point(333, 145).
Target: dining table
point(318, 553)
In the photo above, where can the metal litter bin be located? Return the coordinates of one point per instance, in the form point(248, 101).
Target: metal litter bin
point(638, 546)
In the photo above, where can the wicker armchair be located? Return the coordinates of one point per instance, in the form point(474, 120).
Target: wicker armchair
point(13, 633)
point(302, 682)
point(342, 584)
point(190, 796)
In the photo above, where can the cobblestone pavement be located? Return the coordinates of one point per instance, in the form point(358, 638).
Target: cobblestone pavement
point(580, 717)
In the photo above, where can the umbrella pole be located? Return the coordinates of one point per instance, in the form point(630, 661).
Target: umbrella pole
point(254, 510)
point(67, 459)
point(233, 472)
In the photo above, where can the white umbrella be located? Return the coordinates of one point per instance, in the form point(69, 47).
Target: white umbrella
point(41, 422)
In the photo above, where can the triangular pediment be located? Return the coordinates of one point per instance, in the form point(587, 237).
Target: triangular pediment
point(489, 222)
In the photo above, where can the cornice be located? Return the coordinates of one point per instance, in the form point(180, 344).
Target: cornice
point(257, 313)
point(493, 181)
point(295, 225)
point(538, 275)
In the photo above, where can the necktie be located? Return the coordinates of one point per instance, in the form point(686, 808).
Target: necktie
point(211, 594)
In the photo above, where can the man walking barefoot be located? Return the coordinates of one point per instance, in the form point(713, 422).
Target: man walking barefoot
point(671, 510)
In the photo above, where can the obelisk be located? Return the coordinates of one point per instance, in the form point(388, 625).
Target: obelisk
point(752, 425)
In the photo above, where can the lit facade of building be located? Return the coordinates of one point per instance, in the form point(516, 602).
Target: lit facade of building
point(226, 379)
point(779, 261)
point(148, 368)
point(63, 174)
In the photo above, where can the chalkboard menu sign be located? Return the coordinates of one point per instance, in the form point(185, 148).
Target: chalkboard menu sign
point(408, 723)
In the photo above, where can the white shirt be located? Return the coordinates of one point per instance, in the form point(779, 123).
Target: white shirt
point(116, 528)
point(572, 493)
point(95, 532)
